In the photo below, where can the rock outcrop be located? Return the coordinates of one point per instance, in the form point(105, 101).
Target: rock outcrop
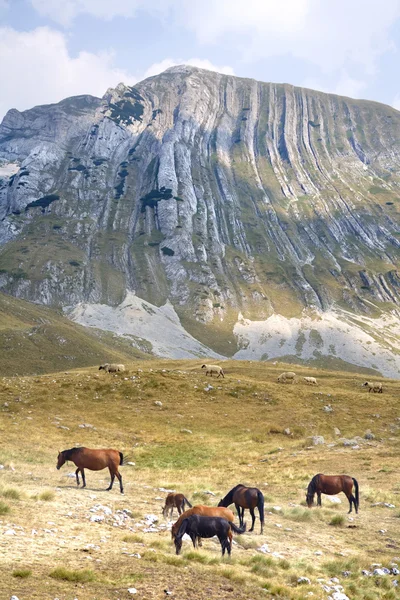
point(215, 193)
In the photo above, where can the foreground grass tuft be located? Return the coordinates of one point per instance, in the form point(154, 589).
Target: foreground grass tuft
point(337, 521)
point(78, 576)
point(4, 508)
point(11, 494)
point(47, 496)
point(22, 573)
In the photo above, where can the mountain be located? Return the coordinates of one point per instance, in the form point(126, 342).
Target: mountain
point(234, 202)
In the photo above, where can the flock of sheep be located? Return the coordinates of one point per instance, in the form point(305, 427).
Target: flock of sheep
point(285, 377)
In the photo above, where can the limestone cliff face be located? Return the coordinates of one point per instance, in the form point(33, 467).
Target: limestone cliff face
point(218, 193)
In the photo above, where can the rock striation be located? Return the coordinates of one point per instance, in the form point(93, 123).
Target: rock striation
point(215, 193)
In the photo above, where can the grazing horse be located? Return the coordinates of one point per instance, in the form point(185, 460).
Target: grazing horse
point(245, 497)
point(332, 484)
point(95, 460)
point(175, 500)
point(205, 511)
point(206, 527)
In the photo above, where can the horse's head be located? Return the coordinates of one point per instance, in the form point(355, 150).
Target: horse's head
point(203, 366)
point(309, 499)
point(178, 544)
point(60, 460)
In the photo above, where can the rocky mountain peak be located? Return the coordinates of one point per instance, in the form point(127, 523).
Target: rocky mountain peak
point(215, 193)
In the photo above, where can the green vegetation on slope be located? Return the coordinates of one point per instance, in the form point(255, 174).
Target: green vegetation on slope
point(36, 339)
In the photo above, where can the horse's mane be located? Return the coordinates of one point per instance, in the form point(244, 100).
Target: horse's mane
point(67, 453)
point(232, 491)
point(312, 485)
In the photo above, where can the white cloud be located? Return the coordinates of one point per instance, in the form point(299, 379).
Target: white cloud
point(159, 67)
point(328, 34)
point(345, 85)
point(65, 11)
point(38, 69)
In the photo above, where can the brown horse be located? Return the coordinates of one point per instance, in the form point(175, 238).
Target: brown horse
point(246, 497)
point(95, 460)
point(175, 501)
point(204, 511)
point(332, 484)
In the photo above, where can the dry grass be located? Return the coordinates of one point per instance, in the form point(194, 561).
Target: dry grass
point(238, 436)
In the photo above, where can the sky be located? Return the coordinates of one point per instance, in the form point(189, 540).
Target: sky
point(52, 49)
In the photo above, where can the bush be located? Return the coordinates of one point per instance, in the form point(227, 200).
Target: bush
point(167, 251)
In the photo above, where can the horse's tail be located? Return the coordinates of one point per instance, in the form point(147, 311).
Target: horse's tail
point(186, 501)
point(357, 491)
point(237, 529)
point(121, 458)
point(260, 505)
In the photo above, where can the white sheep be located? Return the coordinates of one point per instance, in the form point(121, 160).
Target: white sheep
point(374, 387)
point(112, 368)
point(213, 369)
point(310, 380)
point(286, 377)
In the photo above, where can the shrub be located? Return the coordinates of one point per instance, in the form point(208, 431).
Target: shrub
point(167, 251)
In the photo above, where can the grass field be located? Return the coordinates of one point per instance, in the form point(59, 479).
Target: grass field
point(246, 429)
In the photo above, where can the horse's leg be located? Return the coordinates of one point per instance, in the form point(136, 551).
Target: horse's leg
point(83, 477)
point(112, 480)
point(319, 503)
point(222, 541)
point(77, 475)
point(199, 542)
point(229, 542)
point(352, 501)
point(193, 537)
point(253, 516)
point(121, 487)
point(238, 512)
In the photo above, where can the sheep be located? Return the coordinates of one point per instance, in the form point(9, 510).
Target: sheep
point(286, 377)
point(373, 387)
point(310, 380)
point(112, 368)
point(213, 369)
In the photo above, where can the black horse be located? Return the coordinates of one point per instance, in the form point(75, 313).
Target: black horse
point(206, 527)
point(245, 497)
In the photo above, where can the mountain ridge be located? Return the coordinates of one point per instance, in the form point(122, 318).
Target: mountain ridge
point(219, 194)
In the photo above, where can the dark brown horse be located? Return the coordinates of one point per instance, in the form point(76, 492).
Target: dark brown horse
point(205, 511)
point(197, 527)
point(94, 460)
point(245, 497)
point(333, 484)
point(174, 500)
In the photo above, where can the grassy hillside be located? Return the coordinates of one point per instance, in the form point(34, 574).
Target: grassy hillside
point(36, 339)
point(202, 441)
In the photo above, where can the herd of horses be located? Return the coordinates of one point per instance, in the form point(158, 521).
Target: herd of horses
point(208, 521)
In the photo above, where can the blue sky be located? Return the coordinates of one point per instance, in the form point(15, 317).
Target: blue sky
point(51, 49)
